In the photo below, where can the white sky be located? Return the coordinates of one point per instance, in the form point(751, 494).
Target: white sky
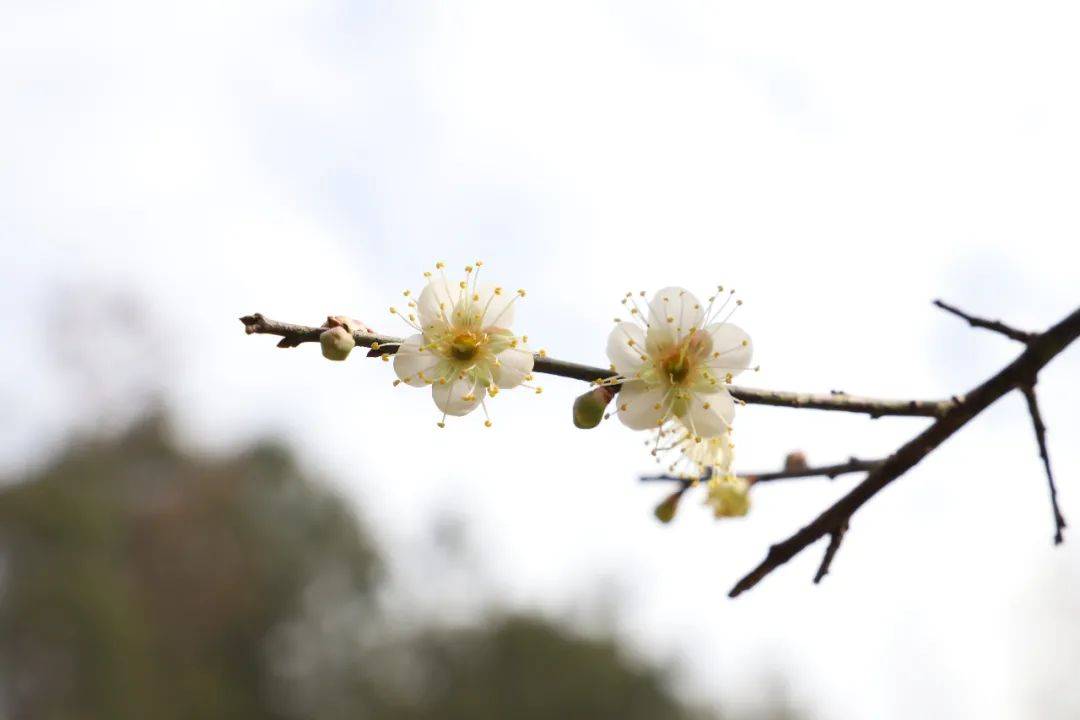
point(840, 163)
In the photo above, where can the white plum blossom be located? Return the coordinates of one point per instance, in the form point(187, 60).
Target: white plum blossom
point(728, 495)
point(675, 361)
point(463, 347)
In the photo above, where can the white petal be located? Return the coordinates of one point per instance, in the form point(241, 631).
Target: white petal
point(641, 407)
point(450, 398)
point(514, 365)
point(626, 357)
point(498, 310)
point(410, 361)
point(438, 291)
point(710, 415)
point(673, 312)
point(734, 348)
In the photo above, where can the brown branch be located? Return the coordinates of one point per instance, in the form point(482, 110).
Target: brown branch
point(992, 325)
point(853, 465)
point(1040, 436)
point(1040, 351)
point(294, 335)
point(835, 538)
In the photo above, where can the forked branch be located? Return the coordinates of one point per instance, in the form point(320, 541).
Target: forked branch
point(1040, 350)
point(949, 416)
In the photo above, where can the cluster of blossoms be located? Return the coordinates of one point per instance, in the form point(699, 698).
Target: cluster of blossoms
point(672, 363)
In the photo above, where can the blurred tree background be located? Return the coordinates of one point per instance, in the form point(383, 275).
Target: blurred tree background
point(141, 581)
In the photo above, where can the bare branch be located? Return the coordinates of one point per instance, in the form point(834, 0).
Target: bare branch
point(1040, 435)
point(835, 538)
point(1040, 351)
point(993, 325)
point(853, 465)
point(294, 335)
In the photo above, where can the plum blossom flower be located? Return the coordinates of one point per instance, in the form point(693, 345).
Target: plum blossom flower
point(675, 361)
point(463, 347)
point(728, 495)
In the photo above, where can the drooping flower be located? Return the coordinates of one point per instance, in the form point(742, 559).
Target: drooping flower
point(728, 495)
point(676, 361)
point(463, 347)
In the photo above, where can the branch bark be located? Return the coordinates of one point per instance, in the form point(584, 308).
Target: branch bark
point(294, 335)
point(1040, 351)
point(1040, 436)
point(992, 325)
point(853, 465)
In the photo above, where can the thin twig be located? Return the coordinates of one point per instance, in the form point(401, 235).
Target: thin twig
point(993, 325)
point(853, 465)
point(1040, 435)
point(1040, 351)
point(835, 538)
point(294, 335)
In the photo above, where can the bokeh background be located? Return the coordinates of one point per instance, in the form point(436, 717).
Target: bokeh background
point(196, 524)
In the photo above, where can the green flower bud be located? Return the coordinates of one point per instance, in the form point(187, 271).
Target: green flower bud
point(589, 408)
point(337, 343)
point(665, 511)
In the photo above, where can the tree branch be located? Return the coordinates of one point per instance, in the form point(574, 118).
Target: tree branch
point(1040, 436)
point(294, 335)
point(853, 465)
point(835, 538)
point(992, 325)
point(1040, 350)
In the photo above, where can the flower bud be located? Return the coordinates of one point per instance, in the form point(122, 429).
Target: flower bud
point(337, 343)
point(795, 461)
point(665, 511)
point(589, 408)
point(729, 496)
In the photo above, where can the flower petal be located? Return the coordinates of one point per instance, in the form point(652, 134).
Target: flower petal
point(514, 365)
point(710, 414)
point(673, 312)
point(641, 406)
point(453, 398)
point(436, 303)
point(625, 346)
point(410, 361)
point(732, 349)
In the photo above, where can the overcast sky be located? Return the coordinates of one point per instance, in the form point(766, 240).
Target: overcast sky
point(839, 163)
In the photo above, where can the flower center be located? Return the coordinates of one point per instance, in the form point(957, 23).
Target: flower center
point(679, 362)
point(465, 346)
point(677, 367)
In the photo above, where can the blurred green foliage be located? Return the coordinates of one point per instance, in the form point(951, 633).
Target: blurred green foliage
point(140, 581)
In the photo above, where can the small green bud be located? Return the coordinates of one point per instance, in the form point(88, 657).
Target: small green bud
point(337, 343)
point(665, 511)
point(589, 408)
